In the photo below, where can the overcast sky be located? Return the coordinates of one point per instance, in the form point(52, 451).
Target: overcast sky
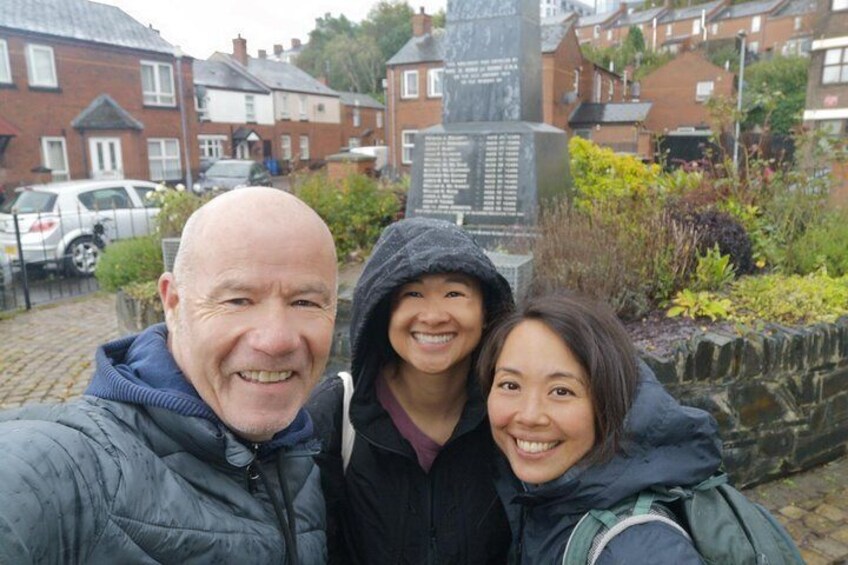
point(201, 27)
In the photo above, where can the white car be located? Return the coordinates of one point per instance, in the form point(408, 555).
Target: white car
point(57, 221)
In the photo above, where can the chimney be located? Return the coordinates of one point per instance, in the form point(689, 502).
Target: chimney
point(422, 24)
point(295, 43)
point(263, 54)
point(240, 50)
point(322, 79)
point(278, 49)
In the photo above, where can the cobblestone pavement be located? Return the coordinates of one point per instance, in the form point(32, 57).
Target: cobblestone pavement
point(47, 355)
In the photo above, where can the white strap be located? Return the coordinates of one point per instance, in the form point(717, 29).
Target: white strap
point(626, 523)
point(348, 433)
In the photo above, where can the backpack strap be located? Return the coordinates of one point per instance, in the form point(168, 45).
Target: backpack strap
point(348, 433)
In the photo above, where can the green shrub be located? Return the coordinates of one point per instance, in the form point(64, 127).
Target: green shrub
point(713, 271)
point(703, 304)
point(716, 228)
point(792, 299)
point(129, 261)
point(176, 205)
point(822, 245)
point(356, 209)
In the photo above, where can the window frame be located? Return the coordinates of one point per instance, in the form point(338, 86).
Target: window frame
point(434, 77)
point(406, 147)
point(33, 80)
point(305, 154)
point(357, 116)
point(5, 64)
point(162, 141)
point(756, 24)
point(405, 92)
point(211, 146)
point(841, 66)
point(157, 96)
point(62, 174)
point(379, 119)
point(250, 108)
point(668, 30)
point(286, 146)
point(700, 96)
point(303, 111)
point(696, 26)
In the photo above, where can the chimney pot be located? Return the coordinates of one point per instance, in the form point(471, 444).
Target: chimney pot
point(240, 50)
point(422, 23)
point(263, 54)
point(295, 43)
point(278, 49)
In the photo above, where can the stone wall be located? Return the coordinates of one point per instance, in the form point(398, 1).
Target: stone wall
point(780, 396)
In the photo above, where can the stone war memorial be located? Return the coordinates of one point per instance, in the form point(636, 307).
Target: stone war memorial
point(491, 164)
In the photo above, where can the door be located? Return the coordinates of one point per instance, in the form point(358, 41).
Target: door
point(106, 160)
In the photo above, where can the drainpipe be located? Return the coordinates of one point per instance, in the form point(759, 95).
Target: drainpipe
point(741, 36)
point(178, 53)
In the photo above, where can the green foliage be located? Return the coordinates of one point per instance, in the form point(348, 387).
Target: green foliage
point(129, 261)
point(775, 93)
point(713, 270)
point(821, 245)
point(635, 41)
point(176, 205)
point(704, 304)
point(356, 209)
point(621, 56)
point(792, 299)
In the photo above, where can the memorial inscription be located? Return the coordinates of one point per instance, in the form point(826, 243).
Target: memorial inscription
point(482, 71)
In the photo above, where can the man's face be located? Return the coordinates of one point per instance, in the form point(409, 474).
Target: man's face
point(253, 327)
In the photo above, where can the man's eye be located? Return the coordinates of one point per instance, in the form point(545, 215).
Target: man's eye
point(237, 301)
point(306, 304)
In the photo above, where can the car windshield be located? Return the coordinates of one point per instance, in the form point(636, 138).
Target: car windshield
point(30, 202)
point(229, 170)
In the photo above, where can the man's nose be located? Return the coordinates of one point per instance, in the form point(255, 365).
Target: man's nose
point(275, 332)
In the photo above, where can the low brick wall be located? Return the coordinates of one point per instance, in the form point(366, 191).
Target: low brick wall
point(780, 396)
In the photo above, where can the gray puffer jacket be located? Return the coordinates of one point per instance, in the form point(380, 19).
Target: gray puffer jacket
point(145, 473)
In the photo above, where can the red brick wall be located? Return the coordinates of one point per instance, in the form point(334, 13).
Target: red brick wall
point(409, 114)
point(84, 71)
point(368, 121)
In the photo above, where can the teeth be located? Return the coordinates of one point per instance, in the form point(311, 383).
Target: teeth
point(266, 376)
point(432, 338)
point(535, 446)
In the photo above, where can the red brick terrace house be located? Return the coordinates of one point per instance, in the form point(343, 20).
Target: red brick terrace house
point(414, 76)
point(827, 86)
point(616, 125)
point(87, 91)
point(363, 120)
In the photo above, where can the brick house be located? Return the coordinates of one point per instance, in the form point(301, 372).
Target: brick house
point(678, 29)
point(618, 126)
point(827, 85)
point(87, 91)
point(363, 120)
point(597, 28)
point(789, 29)
point(414, 77)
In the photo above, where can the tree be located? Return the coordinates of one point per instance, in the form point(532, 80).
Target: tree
point(389, 23)
point(775, 91)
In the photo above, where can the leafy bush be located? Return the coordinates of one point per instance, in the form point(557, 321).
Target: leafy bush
point(129, 261)
point(713, 270)
point(717, 228)
point(356, 209)
point(822, 245)
point(176, 205)
point(792, 299)
point(703, 304)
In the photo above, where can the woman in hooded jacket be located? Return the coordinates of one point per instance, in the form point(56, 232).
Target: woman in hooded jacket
point(417, 486)
point(583, 426)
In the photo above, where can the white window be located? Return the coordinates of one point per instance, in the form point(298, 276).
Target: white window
point(668, 30)
point(410, 84)
point(41, 67)
point(303, 107)
point(201, 104)
point(753, 47)
point(379, 117)
point(704, 90)
point(211, 146)
point(696, 26)
point(249, 108)
point(284, 106)
point(157, 83)
point(714, 29)
point(357, 116)
point(835, 66)
point(799, 21)
point(163, 156)
point(54, 156)
point(285, 147)
point(611, 90)
point(5, 68)
point(304, 148)
point(353, 142)
point(840, 5)
point(576, 82)
point(756, 21)
point(408, 144)
point(434, 83)
point(596, 31)
point(609, 35)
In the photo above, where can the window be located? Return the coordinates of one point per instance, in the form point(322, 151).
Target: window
point(609, 35)
point(40, 66)
point(54, 156)
point(696, 26)
point(284, 106)
point(353, 142)
point(201, 104)
point(157, 84)
point(840, 5)
point(596, 31)
point(5, 68)
point(668, 30)
point(835, 66)
point(211, 146)
point(410, 84)
point(285, 147)
point(407, 145)
point(357, 116)
point(434, 83)
point(249, 108)
point(163, 156)
point(704, 90)
point(111, 198)
point(714, 29)
point(379, 117)
point(799, 21)
point(576, 82)
point(756, 21)
point(303, 107)
point(583, 133)
point(304, 148)
point(611, 90)
point(753, 47)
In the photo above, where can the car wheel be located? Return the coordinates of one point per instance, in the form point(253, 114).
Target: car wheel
point(81, 257)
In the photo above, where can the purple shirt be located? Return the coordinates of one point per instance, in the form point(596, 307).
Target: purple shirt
point(426, 449)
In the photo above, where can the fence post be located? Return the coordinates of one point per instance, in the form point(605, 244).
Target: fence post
point(21, 259)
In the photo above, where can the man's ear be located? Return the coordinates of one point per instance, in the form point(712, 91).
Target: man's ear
point(170, 297)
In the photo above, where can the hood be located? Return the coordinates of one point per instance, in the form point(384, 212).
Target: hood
point(666, 444)
point(141, 370)
point(408, 249)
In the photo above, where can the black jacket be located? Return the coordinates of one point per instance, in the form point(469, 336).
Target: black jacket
point(385, 508)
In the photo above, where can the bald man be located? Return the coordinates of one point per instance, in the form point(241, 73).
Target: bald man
point(190, 444)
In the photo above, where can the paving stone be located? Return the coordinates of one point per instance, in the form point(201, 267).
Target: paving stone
point(841, 535)
point(830, 548)
point(831, 512)
point(813, 558)
point(793, 512)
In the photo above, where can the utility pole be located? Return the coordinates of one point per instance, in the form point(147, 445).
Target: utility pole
point(741, 36)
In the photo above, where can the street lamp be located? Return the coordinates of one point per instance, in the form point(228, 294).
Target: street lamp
point(741, 36)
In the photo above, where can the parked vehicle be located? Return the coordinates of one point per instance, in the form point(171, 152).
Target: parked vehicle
point(65, 225)
point(226, 174)
point(379, 152)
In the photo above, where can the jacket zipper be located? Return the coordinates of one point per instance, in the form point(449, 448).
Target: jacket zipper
point(432, 554)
